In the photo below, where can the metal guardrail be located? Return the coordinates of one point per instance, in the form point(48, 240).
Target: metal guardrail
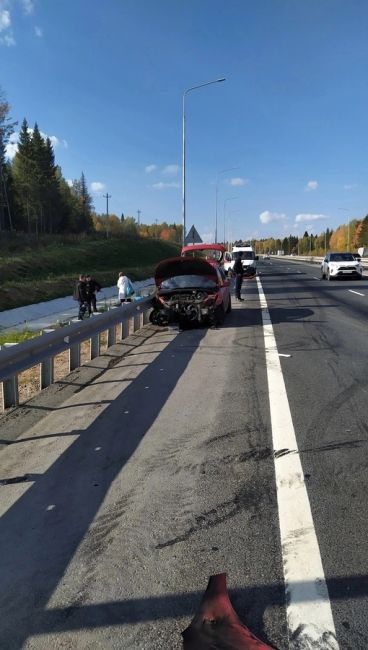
point(16, 357)
point(312, 259)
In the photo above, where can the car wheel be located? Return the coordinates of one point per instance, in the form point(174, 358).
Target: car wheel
point(228, 311)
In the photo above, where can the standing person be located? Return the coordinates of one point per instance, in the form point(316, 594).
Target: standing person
point(92, 286)
point(125, 288)
point(80, 294)
point(238, 270)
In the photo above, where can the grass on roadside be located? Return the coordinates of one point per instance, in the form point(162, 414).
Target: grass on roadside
point(50, 272)
point(17, 336)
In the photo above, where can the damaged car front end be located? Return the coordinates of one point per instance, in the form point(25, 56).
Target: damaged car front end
point(189, 290)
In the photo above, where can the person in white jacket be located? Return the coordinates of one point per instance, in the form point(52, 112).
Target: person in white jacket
point(125, 288)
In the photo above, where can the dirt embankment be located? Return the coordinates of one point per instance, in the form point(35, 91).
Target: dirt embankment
point(50, 271)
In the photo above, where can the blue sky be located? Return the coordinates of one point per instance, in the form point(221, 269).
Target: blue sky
point(106, 80)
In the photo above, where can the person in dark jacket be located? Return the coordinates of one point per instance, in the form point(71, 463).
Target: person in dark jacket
point(80, 294)
point(238, 270)
point(92, 286)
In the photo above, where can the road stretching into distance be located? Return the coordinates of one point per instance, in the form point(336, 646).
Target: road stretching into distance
point(242, 449)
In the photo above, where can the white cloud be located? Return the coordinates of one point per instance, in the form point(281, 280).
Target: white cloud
point(164, 186)
point(170, 170)
point(267, 216)
point(70, 182)
point(97, 187)
point(238, 181)
point(38, 31)
point(301, 218)
point(311, 185)
point(150, 168)
point(352, 186)
point(11, 149)
point(28, 6)
point(5, 20)
point(12, 146)
point(55, 141)
point(8, 40)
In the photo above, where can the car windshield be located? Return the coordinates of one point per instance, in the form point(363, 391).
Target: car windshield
point(206, 254)
point(341, 257)
point(245, 255)
point(189, 282)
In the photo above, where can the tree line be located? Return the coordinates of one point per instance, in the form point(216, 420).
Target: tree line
point(36, 199)
point(349, 236)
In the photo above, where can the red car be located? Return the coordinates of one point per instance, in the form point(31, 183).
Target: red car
point(212, 253)
point(190, 290)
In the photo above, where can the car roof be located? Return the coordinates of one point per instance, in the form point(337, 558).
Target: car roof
point(203, 247)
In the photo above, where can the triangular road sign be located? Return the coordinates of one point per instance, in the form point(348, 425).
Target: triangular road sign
point(192, 237)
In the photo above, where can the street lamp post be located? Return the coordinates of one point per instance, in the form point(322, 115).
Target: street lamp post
point(229, 229)
point(223, 171)
point(348, 237)
point(208, 83)
point(231, 198)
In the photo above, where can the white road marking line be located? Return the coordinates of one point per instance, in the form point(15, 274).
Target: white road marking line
point(308, 609)
point(357, 292)
point(284, 355)
point(315, 277)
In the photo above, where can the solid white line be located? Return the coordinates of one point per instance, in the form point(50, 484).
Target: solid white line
point(357, 292)
point(315, 277)
point(308, 608)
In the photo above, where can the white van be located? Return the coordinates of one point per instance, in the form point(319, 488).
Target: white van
point(248, 258)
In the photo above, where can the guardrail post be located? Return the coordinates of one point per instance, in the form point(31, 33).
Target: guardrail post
point(146, 315)
point(137, 321)
point(94, 350)
point(111, 332)
point(47, 368)
point(10, 387)
point(95, 346)
point(74, 356)
point(124, 329)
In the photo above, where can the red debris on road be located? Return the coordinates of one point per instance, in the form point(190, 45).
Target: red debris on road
point(216, 626)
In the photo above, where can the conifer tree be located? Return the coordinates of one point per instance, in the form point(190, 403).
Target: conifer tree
point(24, 172)
point(82, 221)
point(6, 128)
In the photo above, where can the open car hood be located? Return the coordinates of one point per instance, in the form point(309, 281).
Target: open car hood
point(176, 266)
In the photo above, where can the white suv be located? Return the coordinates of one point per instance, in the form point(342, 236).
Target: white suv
point(338, 265)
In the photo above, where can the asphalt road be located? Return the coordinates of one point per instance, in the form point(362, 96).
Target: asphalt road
point(118, 505)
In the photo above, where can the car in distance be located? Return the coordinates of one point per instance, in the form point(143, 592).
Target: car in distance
point(190, 290)
point(340, 265)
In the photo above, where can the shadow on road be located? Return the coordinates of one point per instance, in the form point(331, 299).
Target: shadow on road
point(41, 532)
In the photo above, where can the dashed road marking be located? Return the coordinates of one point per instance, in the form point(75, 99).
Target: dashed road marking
point(357, 292)
point(308, 608)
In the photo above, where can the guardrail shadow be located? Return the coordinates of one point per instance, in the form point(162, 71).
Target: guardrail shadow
point(40, 533)
point(250, 604)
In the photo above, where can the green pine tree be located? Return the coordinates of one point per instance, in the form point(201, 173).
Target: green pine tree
point(24, 173)
point(6, 128)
